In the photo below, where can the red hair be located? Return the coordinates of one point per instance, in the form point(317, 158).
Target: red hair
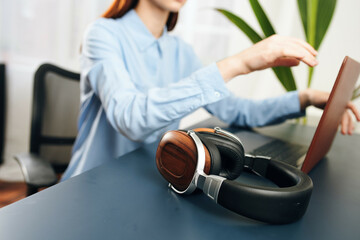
point(120, 7)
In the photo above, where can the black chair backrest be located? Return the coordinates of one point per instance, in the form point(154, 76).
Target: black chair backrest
point(2, 109)
point(56, 103)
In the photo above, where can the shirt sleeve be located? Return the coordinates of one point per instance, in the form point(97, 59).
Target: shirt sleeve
point(133, 113)
point(256, 113)
point(253, 113)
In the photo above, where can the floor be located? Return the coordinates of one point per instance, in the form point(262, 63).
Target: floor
point(11, 192)
point(12, 186)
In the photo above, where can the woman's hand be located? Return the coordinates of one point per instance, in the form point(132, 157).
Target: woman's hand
point(316, 98)
point(270, 52)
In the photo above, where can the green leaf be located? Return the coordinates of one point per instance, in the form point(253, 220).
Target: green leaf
point(286, 77)
point(316, 16)
point(356, 93)
point(325, 13)
point(284, 74)
point(310, 74)
point(240, 23)
point(302, 6)
point(312, 6)
point(262, 18)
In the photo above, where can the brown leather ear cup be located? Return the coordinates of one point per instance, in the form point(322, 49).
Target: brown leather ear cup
point(176, 159)
point(232, 154)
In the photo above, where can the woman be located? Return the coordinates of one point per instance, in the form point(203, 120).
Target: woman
point(138, 82)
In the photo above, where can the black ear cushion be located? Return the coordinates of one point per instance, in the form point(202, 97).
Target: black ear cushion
point(214, 155)
point(231, 153)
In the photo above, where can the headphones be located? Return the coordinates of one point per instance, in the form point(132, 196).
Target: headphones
point(210, 159)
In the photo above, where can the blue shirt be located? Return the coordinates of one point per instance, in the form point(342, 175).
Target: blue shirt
point(135, 87)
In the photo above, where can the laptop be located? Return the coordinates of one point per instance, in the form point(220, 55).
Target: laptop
point(302, 157)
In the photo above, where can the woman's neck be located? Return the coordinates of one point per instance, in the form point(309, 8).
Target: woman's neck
point(153, 17)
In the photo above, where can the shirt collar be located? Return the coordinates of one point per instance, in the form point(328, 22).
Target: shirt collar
point(139, 32)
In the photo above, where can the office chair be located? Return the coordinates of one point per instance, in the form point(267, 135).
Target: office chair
point(2, 110)
point(56, 101)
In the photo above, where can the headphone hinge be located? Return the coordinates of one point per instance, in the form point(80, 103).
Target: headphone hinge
point(210, 185)
point(257, 164)
point(228, 134)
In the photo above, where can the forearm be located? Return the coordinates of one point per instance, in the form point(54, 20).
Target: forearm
point(304, 99)
point(232, 66)
point(311, 97)
point(255, 113)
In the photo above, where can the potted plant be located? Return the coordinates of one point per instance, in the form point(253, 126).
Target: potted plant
point(316, 16)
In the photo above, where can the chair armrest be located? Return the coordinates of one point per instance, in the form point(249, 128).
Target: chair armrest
point(37, 172)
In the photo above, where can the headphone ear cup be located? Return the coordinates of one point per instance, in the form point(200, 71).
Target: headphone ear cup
point(214, 155)
point(176, 159)
point(232, 154)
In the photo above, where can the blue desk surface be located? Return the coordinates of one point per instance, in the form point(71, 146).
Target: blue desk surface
point(128, 199)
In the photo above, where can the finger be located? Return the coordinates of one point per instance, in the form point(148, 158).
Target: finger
point(287, 62)
point(353, 128)
point(307, 46)
point(298, 51)
point(350, 123)
point(344, 124)
point(352, 107)
point(299, 54)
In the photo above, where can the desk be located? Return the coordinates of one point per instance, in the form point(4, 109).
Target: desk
point(128, 199)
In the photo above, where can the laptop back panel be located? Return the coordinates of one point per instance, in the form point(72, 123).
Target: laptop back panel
point(340, 95)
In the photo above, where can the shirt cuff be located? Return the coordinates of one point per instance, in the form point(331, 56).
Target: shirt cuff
point(211, 84)
point(291, 106)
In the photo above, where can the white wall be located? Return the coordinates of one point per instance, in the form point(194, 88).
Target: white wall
point(37, 31)
point(33, 32)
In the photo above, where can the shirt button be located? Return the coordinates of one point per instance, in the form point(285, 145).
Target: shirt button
point(217, 94)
